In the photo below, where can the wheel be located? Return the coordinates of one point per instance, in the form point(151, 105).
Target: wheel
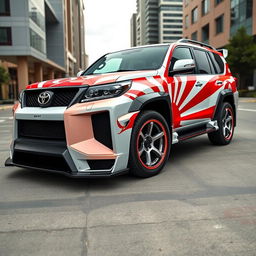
point(150, 144)
point(226, 123)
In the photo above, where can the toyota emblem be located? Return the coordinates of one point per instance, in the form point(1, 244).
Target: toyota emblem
point(44, 98)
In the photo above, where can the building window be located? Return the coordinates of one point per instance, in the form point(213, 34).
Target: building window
point(172, 15)
point(194, 16)
point(172, 21)
point(36, 15)
point(172, 32)
point(194, 36)
point(5, 36)
point(172, 26)
point(186, 22)
point(4, 7)
point(37, 41)
point(171, 8)
point(205, 7)
point(205, 34)
point(219, 24)
point(171, 38)
point(218, 1)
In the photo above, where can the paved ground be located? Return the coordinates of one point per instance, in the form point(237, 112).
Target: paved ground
point(203, 203)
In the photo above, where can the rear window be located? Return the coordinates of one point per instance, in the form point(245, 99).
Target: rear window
point(202, 62)
point(217, 63)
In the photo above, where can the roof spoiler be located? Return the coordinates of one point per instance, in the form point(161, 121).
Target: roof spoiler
point(224, 52)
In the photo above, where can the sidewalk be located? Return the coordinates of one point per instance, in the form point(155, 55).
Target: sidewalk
point(4, 107)
point(247, 100)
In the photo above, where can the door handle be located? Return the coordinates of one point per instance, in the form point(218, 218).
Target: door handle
point(198, 84)
point(219, 82)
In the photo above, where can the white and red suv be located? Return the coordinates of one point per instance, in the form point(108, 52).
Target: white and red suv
point(125, 111)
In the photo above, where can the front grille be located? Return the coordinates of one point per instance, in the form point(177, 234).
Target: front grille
point(61, 97)
point(56, 163)
point(41, 129)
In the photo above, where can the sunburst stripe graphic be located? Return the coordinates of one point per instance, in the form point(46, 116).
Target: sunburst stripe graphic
point(204, 104)
point(177, 88)
point(189, 86)
point(182, 88)
point(204, 93)
point(149, 84)
point(194, 91)
point(205, 113)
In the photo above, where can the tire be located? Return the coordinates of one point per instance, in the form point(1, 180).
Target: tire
point(148, 152)
point(226, 123)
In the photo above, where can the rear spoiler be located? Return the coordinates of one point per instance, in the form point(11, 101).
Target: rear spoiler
point(224, 52)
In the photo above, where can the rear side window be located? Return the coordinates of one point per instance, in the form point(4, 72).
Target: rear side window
point(180, 53)
point(217, 63)
point(202, 62)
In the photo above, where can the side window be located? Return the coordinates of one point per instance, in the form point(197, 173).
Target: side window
point(202, 62)
point(217, 63)
point(180, 53)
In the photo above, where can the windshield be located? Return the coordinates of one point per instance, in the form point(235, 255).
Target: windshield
point(145, 58)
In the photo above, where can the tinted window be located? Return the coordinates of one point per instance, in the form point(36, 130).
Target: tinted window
point(145, 58)
point(180, 53)
point(217, 63)
point(5, 36)
point(202, 62)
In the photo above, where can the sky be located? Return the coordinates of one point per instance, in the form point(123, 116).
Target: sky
point(107, 26)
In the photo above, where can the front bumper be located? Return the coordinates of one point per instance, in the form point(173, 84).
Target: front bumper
point(75, 174)
point(83, 147)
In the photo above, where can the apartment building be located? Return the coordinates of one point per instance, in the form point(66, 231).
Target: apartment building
point(170, 20)
point(39, 40)
point(215, 21)
point(157, 21)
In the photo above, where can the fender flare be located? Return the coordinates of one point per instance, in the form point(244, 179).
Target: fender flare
point(140, 102)
point(221, 98)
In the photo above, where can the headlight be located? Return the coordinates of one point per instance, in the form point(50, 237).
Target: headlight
point(20, 98)
point(100, 92)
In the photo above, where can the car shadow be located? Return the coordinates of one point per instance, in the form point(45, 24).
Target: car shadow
point(190, 148)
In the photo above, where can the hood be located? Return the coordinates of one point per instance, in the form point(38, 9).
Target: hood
point(93, 79)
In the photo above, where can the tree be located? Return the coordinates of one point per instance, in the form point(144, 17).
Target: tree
point(242, 55)
point(4, 76)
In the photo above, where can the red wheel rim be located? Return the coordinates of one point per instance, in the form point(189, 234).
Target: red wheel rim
point(228, 123)
point(152, 144)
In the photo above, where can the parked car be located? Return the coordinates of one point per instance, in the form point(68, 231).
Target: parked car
point(125, 111)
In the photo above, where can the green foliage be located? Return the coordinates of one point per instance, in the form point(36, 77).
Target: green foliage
point(242, 54)
point(4, 76)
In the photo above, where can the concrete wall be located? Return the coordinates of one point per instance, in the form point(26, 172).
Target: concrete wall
point(19, 22)
point(55, 38)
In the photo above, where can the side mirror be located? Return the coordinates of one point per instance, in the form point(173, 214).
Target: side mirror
point(80, 73)
point(183, 66)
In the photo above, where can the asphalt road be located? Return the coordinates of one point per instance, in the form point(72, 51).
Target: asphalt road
point(203, 203)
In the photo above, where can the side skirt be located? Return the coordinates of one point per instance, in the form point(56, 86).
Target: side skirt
point(191, 131)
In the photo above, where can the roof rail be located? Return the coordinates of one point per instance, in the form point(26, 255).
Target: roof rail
point(184, 40)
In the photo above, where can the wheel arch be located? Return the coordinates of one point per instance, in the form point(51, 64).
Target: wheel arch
point(159, 102)
point(226, 95)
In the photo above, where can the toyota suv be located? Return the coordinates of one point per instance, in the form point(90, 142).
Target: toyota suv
point(125, 111)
